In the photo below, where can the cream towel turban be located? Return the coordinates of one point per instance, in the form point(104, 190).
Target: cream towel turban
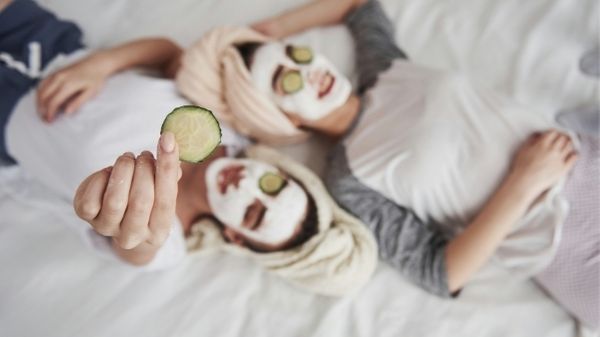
point(339, 258)
point(213, 74)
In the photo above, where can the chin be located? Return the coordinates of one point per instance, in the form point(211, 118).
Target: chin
point(339, 94)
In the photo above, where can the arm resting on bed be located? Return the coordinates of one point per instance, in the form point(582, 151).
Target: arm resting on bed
point(419, 250)
point(158, 53)
point(313, 14)
point(69, 88)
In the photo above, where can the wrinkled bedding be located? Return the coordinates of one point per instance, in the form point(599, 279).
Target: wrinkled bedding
point(52, 285)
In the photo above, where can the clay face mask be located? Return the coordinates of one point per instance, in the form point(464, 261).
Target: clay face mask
point(238, 201)
point(298, 80)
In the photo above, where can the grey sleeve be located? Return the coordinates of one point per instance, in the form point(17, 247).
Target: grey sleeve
point(374, 44)
point(413, 247)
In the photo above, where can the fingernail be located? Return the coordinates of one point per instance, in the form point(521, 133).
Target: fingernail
point(167, 141)
point(129, 154)
point(146, 153)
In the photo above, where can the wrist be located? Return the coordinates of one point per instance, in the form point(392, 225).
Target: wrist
point(105, 62)
point(522, 187)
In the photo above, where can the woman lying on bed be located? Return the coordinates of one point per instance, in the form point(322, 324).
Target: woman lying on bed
point(141, 208)
point(427, 166)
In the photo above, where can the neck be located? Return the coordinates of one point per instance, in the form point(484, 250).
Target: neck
point(192, 199)
point(338, 121)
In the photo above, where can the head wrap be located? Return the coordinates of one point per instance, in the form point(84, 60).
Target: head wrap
point(339, 258)
point(213, 75)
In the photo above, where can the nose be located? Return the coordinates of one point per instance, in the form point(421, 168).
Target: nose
point(314, 78)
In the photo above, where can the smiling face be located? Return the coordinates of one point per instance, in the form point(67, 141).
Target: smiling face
point(298, 80)
point(267, 219)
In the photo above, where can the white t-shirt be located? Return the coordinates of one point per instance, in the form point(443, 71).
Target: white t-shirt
point(440, 145)
point(126, 115)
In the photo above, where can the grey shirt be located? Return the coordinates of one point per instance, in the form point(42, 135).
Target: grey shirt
point(412, 246)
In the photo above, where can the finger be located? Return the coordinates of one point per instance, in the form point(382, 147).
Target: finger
point(549, 137)
point(570, 161)
point(560, 141)
point(567, 148)
point(165, 188)
point(47, 89)
point(59, 99)
point(88, 198)
point(79, 100)
point(116, 196)
point(134, 227)
point(568, 142)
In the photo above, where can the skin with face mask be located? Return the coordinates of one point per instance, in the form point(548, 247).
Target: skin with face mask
point(299, 81)
point(239, 202)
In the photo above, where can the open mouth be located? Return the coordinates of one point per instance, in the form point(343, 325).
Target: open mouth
point(326, 84)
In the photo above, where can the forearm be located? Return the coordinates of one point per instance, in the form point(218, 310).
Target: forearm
point(472, 248)
point(138, 256)
point(313, 14)
point(157, 53)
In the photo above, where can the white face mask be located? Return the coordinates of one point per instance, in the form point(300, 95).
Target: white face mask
point(324, 87)
point(239, 180)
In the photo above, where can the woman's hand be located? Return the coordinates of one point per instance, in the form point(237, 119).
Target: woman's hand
point(72, 86)
point(540, 163)
point(543, 160)
point(69, 88)
point(133, 202)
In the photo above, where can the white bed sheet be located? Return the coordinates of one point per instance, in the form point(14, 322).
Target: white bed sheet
point(51, 285)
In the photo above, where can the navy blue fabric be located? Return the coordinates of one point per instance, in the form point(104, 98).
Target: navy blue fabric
point(22, 23)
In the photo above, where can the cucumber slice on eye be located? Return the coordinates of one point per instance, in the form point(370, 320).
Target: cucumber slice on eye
point(300, 55)
point(292, 82)
point(271, 183)
point(196, 130)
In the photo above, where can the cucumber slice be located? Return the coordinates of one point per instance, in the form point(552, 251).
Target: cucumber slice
point(197, 132)
point(271, 183)
point(300, 55)
point(292, 82)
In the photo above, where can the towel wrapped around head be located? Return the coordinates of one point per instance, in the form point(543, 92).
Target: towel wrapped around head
point(338, 259)
point(213, 74)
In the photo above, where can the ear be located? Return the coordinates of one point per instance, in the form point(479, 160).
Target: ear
point(233, 237)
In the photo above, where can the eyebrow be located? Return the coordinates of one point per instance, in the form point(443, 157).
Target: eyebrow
point(275, 76)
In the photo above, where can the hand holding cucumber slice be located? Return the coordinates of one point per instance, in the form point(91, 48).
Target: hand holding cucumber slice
point(196, 130)
point(271, 183)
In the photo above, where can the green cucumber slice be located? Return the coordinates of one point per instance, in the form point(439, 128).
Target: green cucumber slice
point(292, 82)
point(196, 130)
point(271, 183)
point(300, 55)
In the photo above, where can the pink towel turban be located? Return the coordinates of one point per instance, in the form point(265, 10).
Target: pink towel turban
point(213, 75)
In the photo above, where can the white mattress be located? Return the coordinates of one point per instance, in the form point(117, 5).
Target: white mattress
point(51, 285)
